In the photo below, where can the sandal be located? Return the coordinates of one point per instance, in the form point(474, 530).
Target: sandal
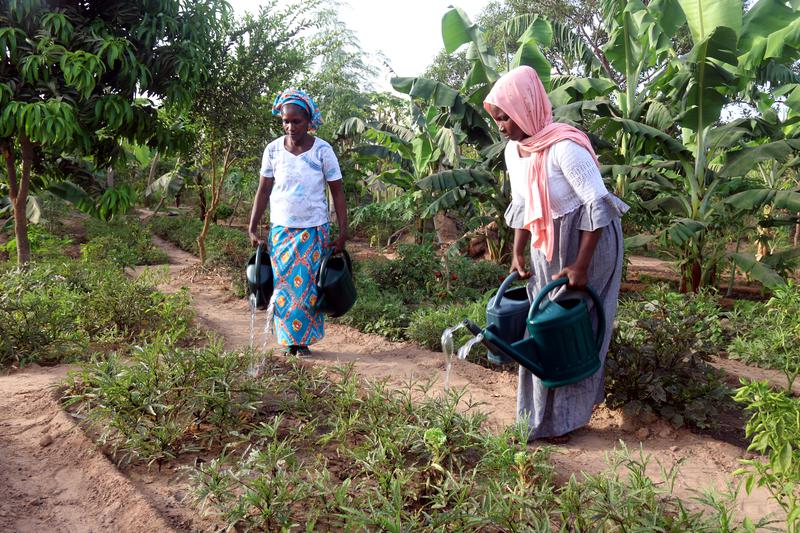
point(297, 350)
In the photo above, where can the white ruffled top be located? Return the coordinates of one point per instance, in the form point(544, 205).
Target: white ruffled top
point(573, 179)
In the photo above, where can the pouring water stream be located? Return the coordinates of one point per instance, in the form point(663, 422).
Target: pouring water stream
point(448, 348)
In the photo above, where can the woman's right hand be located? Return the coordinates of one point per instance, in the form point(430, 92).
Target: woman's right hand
point(254, 240)
point(518, 266)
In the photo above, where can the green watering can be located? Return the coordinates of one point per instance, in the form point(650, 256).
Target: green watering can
point(562, 348)
point(259, 276)
point(336, 292)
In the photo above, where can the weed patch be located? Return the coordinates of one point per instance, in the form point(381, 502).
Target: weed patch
point(125, 241)
point(657, 362)
point(307, 449)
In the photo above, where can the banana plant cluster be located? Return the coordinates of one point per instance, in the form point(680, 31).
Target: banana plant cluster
point(654, 106)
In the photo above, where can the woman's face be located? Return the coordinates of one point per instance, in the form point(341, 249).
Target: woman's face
point(508, 128)
point(295, 121)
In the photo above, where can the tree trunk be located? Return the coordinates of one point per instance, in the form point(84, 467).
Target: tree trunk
point(201, 193)
point(217, 181)
point(796, 235)
point(18, 192)
point(153, 163)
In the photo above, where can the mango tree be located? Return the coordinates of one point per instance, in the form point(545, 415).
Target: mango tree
point(251, 60)
point(78, 77)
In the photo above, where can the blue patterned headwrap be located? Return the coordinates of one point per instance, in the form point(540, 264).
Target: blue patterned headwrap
point(300, 98)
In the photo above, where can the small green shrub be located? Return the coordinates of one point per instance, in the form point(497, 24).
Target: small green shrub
point(413, 274)
point(774, 431)
point(379, 312)
point(126, 242)
point(44, 244)
point(56, 311)
point(769, 334)
point(657, 360)
point(377, 221)
point(428, 323)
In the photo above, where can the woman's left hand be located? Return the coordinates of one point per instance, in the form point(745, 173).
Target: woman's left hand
point(338, 243)
point(577, 277)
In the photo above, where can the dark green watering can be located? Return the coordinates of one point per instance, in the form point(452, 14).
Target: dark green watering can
point(259, 276)
point(562, 348)
point(507, 311)
point(336, 292)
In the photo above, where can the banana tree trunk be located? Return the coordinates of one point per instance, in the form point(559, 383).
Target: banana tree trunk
point(18, 187)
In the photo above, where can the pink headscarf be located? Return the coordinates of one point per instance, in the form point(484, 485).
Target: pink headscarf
point(521, 95)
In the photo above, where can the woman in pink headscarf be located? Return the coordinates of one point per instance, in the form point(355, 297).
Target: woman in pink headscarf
point(560, 204)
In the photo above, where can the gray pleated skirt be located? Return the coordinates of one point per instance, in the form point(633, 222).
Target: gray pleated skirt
point(557, 411)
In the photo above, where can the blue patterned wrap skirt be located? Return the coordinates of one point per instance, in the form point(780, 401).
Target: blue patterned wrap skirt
point(296, 255)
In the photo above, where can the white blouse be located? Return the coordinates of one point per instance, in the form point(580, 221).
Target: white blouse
point(298, 195)
point(573, 178)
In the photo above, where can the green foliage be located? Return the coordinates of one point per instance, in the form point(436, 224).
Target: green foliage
point(61, 310)
point(410, 275)
point(427, 324)
point(43, 244)
point(146, 408)
point(380, 220)
point(378, 311)
point(419, 294)
point(125, 242)
point(774, 431)
point(301, 447)
point(71, 73)
point(657, 360)
point(625, 496)
point(226, 247)
point(770, 333)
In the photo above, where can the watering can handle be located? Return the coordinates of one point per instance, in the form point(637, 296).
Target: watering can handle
point(320, 277)
point(322, 266)
point(259, 252)
point(511, 278)
point(598, 305)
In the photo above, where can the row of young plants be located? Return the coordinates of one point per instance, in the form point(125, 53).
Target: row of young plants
point(304, 448)
point(59, 308)
point(658, 363)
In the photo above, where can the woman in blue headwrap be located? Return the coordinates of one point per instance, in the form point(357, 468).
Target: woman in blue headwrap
point(294, 171)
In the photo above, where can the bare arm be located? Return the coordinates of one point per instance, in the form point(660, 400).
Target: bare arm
point(521, 237)
point(340, 206)
point(577, 272)
point(259, 205)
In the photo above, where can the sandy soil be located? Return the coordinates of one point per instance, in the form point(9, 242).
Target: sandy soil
point(56, 478)
point(53, 477)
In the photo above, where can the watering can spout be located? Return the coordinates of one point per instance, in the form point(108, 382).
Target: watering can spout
point(473, 328)
point(522, 351)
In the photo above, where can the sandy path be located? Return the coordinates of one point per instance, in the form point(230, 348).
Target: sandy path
point(53, 477)
point(705, 462)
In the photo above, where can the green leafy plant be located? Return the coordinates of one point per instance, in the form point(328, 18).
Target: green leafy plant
point(164, 400)
point(770, 335)
point(774, 432)
point(657, 362)
point(125, 242)
point(60, 310)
